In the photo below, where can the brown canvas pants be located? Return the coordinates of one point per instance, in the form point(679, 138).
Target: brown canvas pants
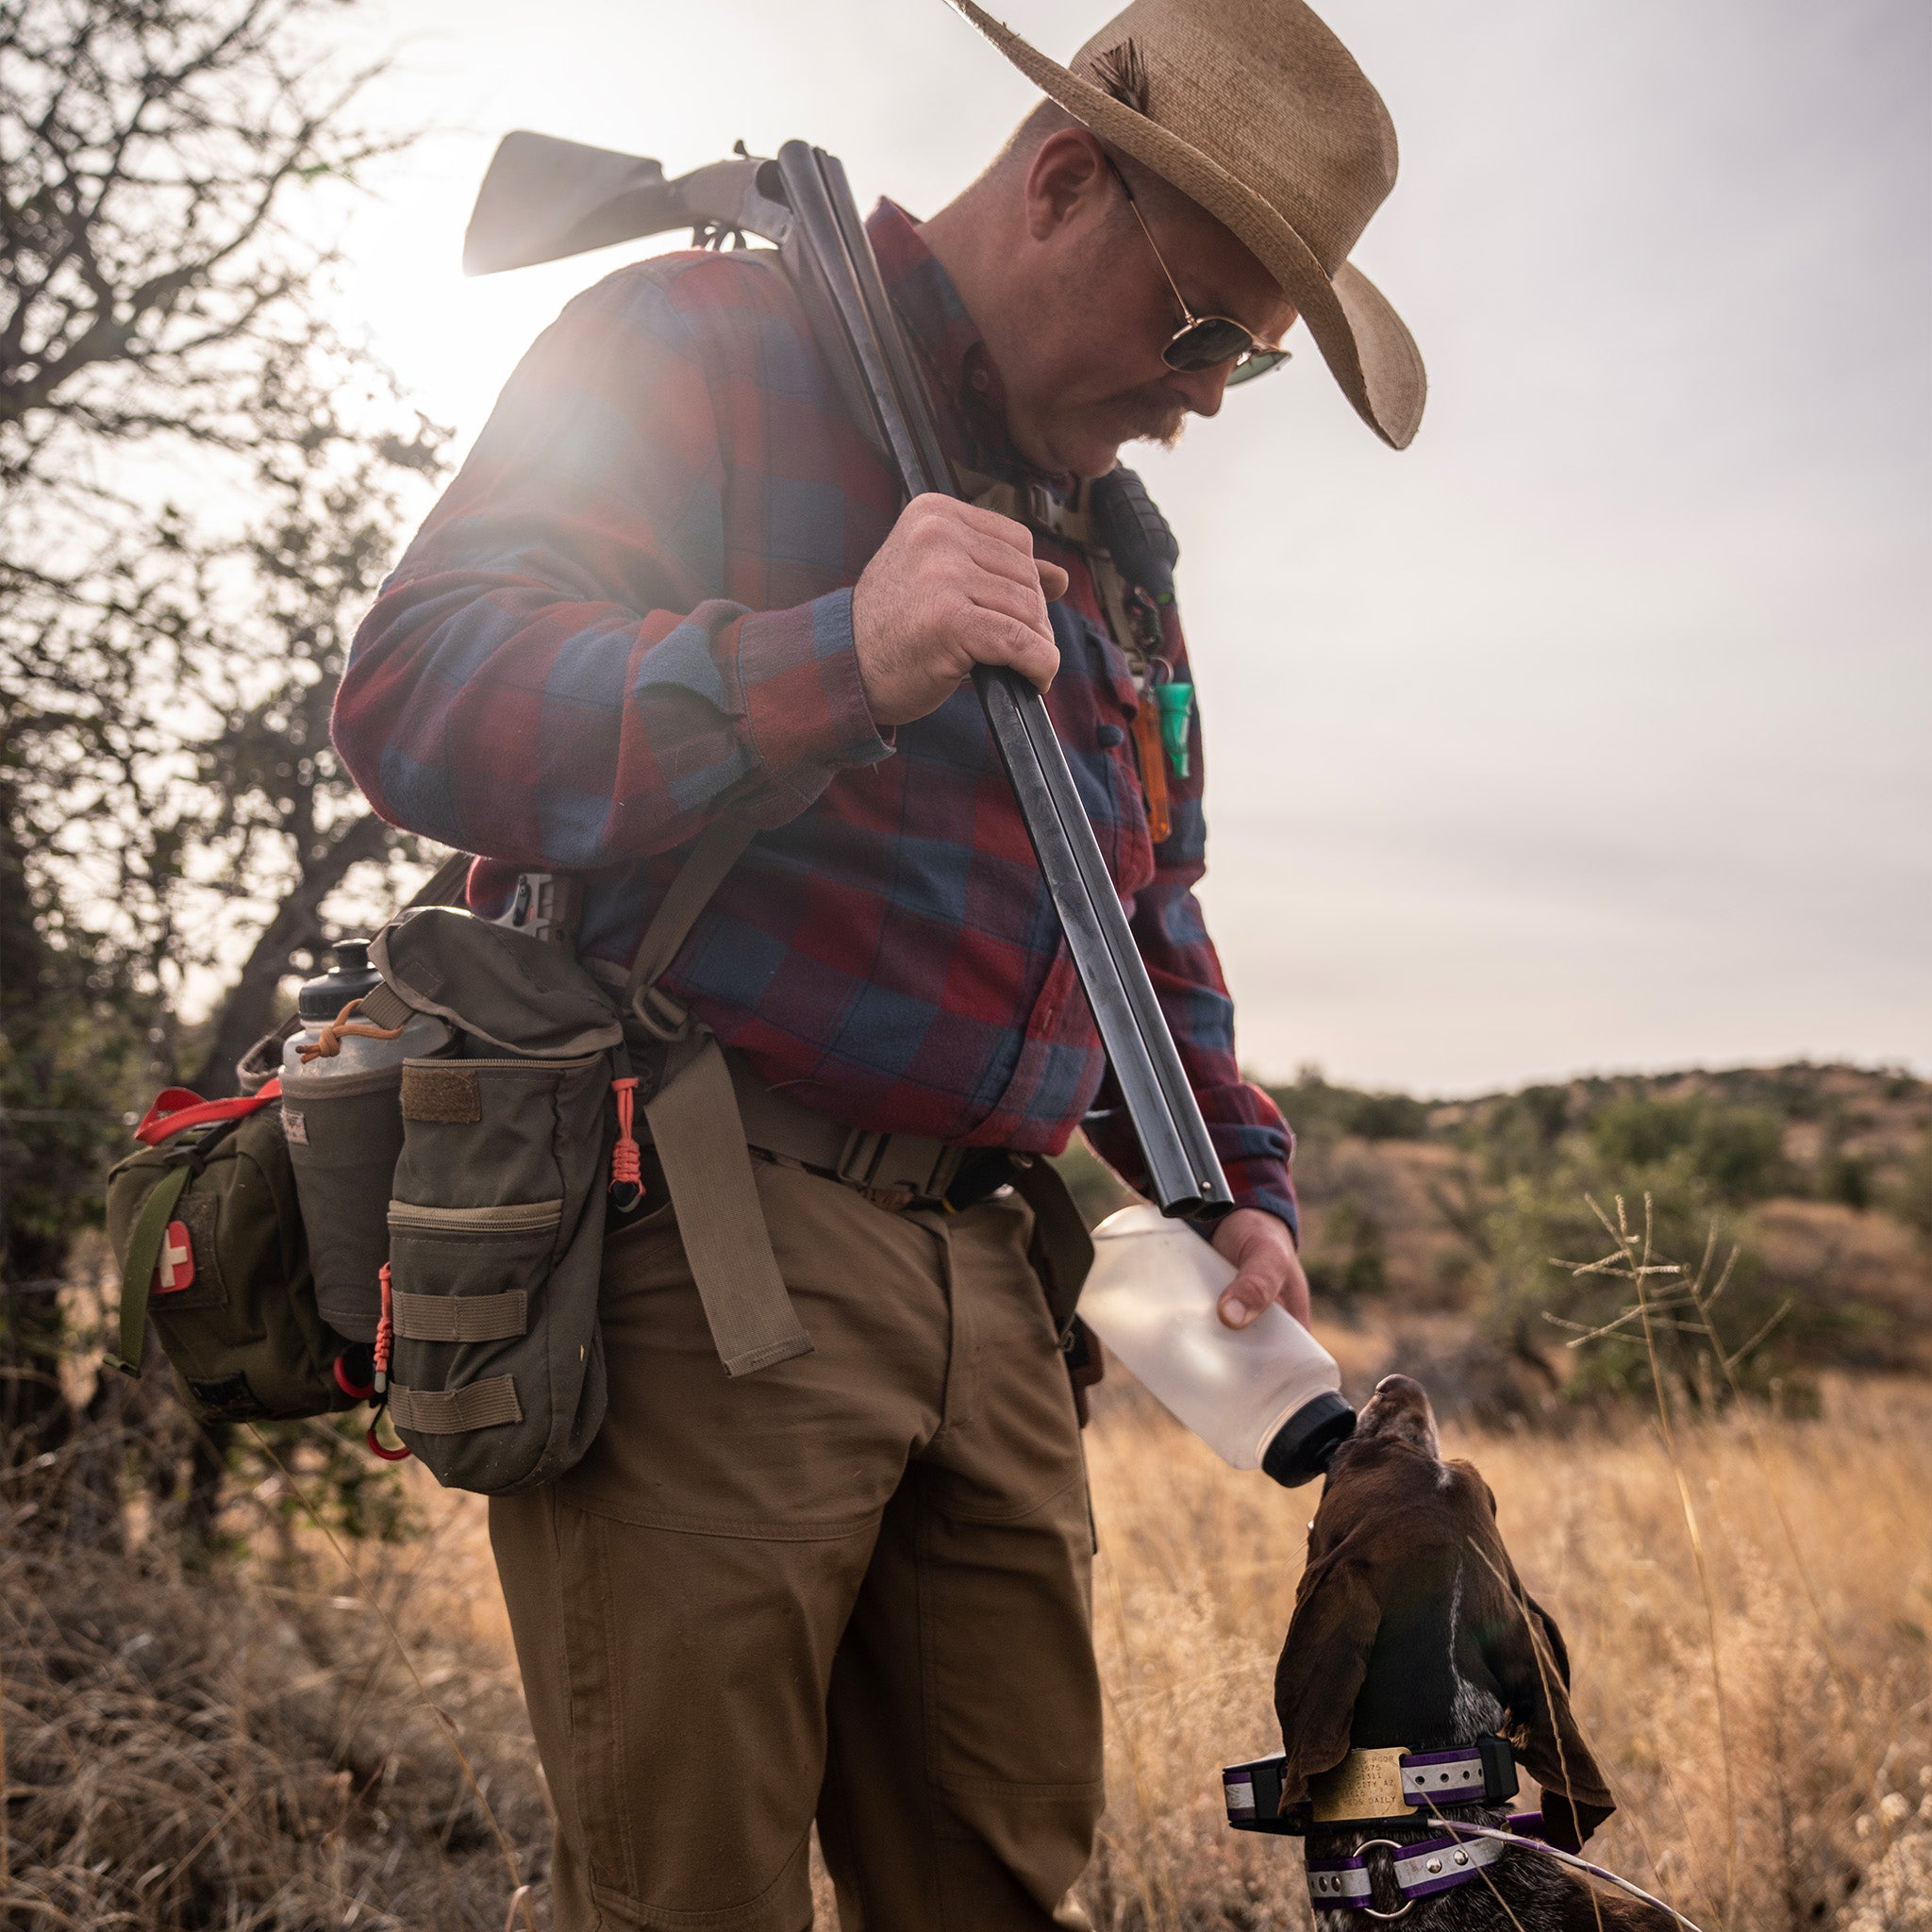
point(854, 1587)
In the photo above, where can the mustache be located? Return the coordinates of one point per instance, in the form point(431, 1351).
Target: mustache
point(1152, 414)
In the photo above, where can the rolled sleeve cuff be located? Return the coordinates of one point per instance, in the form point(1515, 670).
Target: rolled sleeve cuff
point(804, 701)
point(1266, 1185)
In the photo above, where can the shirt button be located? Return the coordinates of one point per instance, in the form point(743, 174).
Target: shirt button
point(1109, 736)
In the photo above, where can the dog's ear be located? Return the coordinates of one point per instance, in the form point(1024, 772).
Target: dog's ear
point(1546, 1627)
point(1323, 1664)
point(1524, 1647)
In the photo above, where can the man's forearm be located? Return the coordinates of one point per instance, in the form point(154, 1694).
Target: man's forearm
point(502, 718)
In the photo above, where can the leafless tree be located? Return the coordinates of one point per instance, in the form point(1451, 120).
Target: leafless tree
point(153, 283)
point(200, 485)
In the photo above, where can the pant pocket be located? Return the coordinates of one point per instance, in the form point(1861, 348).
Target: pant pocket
point(495, 1238)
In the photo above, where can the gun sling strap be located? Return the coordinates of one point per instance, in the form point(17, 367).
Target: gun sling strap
point(691, 1116)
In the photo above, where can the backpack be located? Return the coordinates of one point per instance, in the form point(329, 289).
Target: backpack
point(205, 1223)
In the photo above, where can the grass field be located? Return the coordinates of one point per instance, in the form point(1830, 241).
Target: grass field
point(255, 1753)
point(1760, 1783)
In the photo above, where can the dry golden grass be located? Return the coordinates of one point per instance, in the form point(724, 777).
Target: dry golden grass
point(251, 1753)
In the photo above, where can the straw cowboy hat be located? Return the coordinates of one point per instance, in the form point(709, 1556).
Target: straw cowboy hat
point(1259, 114)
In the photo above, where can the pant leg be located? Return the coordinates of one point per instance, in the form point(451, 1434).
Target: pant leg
point(963, 1786)
point(677, 1598)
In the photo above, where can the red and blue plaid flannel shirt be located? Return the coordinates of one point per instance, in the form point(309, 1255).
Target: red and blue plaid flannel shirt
point(632, 610)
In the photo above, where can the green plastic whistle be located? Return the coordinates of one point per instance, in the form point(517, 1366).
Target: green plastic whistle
point(1176, 702)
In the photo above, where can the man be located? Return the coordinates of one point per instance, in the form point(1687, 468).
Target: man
point(674, 580)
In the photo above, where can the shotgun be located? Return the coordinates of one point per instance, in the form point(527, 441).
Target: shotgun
point(542, 199)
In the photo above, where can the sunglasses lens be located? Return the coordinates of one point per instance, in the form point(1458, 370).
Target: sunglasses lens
point(1206, 343)
point(1259, 363)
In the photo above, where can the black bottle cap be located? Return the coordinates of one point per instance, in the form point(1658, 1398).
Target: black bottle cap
point(350, 978)
point(1301, 1448)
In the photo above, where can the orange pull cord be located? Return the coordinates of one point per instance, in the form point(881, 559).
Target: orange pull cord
point(1153, 761)
point(385, 1345)
point(627, 1163)
point(385, 1336)
point(328, 1042)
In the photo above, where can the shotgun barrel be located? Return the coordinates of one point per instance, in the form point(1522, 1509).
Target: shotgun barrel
point(1184, 1171)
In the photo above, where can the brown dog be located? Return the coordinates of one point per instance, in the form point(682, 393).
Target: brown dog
point(1412, 1632)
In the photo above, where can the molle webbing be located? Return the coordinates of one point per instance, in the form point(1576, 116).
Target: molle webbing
point(461, 1318)
point(455, 1411)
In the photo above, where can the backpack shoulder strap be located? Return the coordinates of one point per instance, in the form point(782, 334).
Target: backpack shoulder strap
point(716, 852)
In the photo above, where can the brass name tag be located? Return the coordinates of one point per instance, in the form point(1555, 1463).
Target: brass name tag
point(1366, 1784)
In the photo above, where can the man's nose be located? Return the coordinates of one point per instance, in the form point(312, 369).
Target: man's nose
point(1201, 389)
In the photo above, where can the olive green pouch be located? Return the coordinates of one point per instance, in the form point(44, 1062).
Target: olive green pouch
point(205, 1223)
point(496, 1220)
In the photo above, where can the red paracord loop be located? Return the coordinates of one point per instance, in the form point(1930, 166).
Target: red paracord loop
point(385, 1336)
point(627, 1162)
point(328, 1041)
point(399, 1454)
point(347, 1387)
point(177, 1107)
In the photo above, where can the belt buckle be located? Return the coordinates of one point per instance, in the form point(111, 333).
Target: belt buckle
point(886, 1163)
point(859, 1159)
point(1366, 1784)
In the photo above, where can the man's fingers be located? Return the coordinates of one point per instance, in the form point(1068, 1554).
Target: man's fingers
point(993, 638)
point(1053, 580)
point(1021, 602)
point(1242, 1299)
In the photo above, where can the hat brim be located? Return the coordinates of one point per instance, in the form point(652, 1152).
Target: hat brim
point(1368, 349)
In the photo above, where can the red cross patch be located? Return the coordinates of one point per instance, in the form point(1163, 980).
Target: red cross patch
point(175, 1271)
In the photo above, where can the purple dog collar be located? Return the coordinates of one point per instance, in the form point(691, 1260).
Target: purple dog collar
point(1419, 1870)
point(1442, 1777)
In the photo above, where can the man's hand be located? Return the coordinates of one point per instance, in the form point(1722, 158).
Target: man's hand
point(1267, 1267)
point(952, 587)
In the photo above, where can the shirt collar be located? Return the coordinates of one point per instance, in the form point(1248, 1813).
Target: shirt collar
point(973, 403)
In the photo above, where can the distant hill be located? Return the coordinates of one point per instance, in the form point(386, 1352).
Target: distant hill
point(1436, 1225)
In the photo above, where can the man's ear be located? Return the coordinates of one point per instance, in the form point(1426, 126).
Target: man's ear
point(1320, 1674)
point(1068, 172)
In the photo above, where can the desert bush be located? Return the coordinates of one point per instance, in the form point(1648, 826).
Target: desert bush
point(1312, 1107)
point(1912, 1198)
point(1538, 1299)
point(1737, 1151)
point(251, 1747)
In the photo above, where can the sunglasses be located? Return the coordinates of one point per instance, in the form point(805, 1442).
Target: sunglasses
point(1206, 341)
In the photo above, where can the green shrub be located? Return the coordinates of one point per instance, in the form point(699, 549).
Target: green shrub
point(1538, 1298)
point(1738, 1151)
point(1635, 1132)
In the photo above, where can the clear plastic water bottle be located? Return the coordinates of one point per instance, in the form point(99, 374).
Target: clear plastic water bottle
point(1266, 1396)
point(352, 977)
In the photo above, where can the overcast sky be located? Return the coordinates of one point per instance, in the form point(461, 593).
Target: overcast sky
point(1594, 731)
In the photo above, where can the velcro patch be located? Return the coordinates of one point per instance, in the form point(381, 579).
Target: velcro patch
point(451, 1093)
point(175, 1266)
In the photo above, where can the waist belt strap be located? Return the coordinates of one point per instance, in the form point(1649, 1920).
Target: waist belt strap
point(694, 1121)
